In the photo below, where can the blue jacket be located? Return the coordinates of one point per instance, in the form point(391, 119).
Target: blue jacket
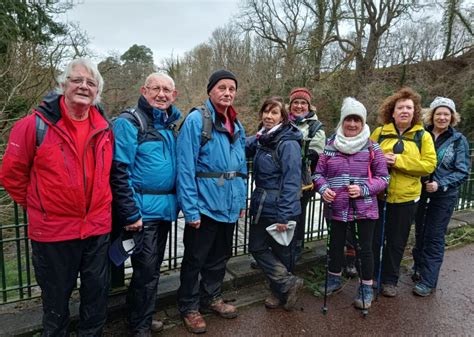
point(277, 173)
point(452, 150)
point(218, 198)
point(144, 167)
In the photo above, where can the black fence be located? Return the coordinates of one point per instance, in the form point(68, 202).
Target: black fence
point(17, 281)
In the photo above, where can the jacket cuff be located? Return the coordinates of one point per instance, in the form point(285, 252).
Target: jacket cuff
point(364, 190)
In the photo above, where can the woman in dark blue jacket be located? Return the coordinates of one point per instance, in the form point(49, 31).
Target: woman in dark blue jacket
point(276, 152)
point(439, 193)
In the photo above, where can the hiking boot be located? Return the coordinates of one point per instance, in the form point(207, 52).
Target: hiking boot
point(334, 284)
point(223, 309)
point(368, 296)
point(389, 290)
point(292, 294)
point(422, 290)
point(194, 322)
point(272, 302)
point(350, 271)
point(156, 325)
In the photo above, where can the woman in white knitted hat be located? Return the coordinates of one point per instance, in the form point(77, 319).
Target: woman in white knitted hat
point(350, 173)
point(439, 193)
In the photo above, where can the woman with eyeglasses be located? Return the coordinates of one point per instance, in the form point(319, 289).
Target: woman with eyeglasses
point(303, 115)
point(440, 192)
point(410, 154)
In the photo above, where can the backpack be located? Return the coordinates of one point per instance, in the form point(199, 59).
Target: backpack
point(417, 139)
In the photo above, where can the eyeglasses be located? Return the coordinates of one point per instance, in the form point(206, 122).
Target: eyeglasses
point(165, 90)
point(303, 103)
point(80, 80)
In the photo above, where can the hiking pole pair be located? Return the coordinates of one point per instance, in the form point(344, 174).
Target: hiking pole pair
point(365, 312)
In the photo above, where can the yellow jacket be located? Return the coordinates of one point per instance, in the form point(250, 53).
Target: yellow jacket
point(410, 165)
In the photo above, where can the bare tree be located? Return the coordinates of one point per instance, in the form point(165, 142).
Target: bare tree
point(458, 32)
point(282, 22)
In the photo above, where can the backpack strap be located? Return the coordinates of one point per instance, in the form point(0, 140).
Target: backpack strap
point(206, 132)
point(137, 118)
point(417, 139)
point(41, 128)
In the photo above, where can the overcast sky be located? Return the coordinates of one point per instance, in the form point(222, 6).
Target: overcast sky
point(165, 26)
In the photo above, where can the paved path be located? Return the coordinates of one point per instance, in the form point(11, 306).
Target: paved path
point(448, 312)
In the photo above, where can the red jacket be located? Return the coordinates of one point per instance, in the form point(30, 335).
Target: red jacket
point(48, 180)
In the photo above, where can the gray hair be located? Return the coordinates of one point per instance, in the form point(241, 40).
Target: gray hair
point(159, 75)
point(91, 67)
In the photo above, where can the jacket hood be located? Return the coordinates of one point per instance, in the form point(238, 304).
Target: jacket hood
point(164, 118)
point(50, 109)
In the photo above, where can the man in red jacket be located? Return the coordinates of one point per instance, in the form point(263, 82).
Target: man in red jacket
point(57, 166)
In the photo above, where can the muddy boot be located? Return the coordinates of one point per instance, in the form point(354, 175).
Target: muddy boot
point(367, 298)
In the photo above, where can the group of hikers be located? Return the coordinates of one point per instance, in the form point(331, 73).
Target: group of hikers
point(74, 171)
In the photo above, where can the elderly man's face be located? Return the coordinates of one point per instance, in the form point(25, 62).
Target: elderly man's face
point(222, 94)
point(80, 88)
point(159, 93)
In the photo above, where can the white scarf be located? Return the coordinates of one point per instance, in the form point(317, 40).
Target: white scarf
point(351, 145)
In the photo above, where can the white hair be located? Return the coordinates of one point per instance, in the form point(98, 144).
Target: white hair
point(159, 75)
point(91, 67)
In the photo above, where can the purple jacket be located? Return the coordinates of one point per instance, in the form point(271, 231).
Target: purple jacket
point(336, 170)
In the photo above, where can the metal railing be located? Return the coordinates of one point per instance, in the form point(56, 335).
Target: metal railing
point(17, 281)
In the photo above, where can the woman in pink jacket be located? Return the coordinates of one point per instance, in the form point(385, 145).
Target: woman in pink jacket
point(350, 173)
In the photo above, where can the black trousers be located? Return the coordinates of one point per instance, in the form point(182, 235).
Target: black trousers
point(141, 296)
point(398, 221)
point(57, 265)
point(206, 252)
point(338, 240)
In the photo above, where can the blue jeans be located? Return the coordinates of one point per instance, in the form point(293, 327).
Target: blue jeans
point(431, 224)
point(275, 260)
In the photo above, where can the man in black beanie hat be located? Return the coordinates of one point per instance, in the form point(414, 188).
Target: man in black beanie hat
point(211, 190)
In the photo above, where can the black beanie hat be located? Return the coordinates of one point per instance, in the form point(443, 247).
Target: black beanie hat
point(220, 75)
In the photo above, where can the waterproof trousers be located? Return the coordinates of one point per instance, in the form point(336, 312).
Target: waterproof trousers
point(206, 252)
point(141, 296)
point(275, 260)
point(431, 223)
point(57, 265)
point(398, 221)
point(338, 240)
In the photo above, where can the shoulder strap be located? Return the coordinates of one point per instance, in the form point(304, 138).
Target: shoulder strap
point(41, 128)
point(135, 115)
point(314, 126)
point(417, 139)
point(206, 132)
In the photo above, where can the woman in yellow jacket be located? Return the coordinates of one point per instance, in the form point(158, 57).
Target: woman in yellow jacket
point(410, 154)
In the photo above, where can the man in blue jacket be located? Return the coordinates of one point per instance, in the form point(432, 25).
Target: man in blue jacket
point(211, 190)
point(143, 184)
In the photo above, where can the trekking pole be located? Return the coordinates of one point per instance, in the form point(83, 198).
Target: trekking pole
point(425, 212)
point(382, 244)
point(365, 312)
point(324, 309)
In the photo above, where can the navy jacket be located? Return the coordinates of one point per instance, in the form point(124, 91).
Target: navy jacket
point(144, 171)
point(277, 173)
point(452, 150)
